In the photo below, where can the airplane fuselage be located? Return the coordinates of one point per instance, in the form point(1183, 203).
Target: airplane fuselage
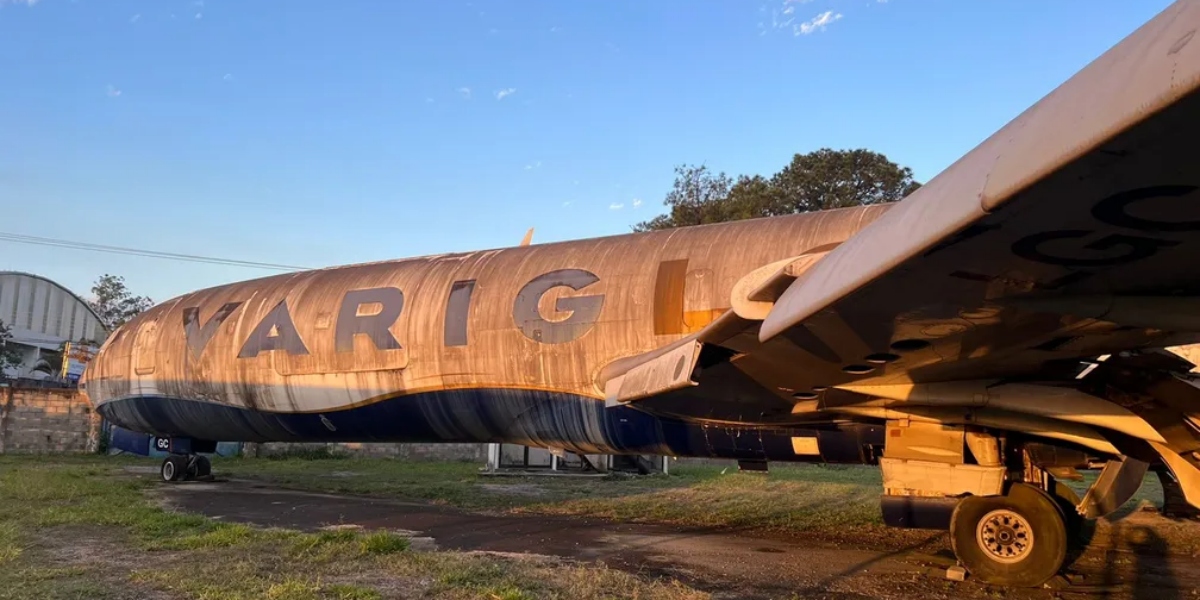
point(497, 345)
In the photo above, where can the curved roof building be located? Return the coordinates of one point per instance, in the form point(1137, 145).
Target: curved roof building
point(42, 314)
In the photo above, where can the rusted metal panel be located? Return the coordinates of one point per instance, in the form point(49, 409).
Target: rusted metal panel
point(668, 297)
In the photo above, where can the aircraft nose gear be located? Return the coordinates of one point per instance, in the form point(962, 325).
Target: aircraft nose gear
point(185, 467)
point(1005, 535)
point(1018, 539)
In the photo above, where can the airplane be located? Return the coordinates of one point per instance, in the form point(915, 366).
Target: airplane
point(981, 341)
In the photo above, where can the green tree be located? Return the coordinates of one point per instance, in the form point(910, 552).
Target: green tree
point(819, 180)
point(10, 356)
point(698, 196)
point(114, 303)
point(827, 179)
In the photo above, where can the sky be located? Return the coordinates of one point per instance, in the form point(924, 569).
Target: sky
point(318, 133)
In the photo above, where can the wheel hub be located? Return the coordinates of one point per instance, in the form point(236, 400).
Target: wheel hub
point(1005, 536)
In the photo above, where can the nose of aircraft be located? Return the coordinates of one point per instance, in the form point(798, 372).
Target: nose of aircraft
point(103, 371)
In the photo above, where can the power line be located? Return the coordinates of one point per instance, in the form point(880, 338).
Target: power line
point(42, 241)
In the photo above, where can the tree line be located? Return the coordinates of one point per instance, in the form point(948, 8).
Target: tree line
point(819, 180)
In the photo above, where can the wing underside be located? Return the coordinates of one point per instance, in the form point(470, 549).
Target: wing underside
point(1016, 287)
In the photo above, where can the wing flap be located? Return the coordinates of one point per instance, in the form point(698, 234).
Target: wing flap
point(663, 372)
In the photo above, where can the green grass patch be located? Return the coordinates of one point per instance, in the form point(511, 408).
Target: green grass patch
point(352, 592)
point(791, 497)
point(383, 542)
point(10, 543)
point(82, 528)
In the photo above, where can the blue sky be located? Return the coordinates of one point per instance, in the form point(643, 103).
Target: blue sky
point(318, 133)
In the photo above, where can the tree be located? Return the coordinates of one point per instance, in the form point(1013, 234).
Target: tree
point(819, 180)
point(697, 197)
point(114, 303)
point(10, 356)
point(828, 178)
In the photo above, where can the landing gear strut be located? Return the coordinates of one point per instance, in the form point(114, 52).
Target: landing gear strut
point(1018, 539)
point(185, 467)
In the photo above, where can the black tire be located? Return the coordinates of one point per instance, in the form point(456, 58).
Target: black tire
point(174, 468)
point(201, 467)
point(1080, 530)
point(1018, 540)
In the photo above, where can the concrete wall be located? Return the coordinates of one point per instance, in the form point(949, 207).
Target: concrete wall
point(46, 421)
point(461, 452)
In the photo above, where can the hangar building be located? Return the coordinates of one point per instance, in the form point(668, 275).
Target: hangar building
point(41, 315)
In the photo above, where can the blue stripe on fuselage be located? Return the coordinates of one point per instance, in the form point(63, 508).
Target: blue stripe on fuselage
point(528, 417)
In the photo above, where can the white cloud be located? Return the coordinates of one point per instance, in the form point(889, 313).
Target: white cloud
point(554, 29)
point(817, 23)
point(537, 164)
point(465, 91)
point(615, 206)
point(25, 2)
point(784, 19)
point(199, 15)
point(135, 18)
point(112, 91)
point(567, 203)
point(637, 202)
point(500, 95)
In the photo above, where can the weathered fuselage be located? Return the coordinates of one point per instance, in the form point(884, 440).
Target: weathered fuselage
point(496, 345)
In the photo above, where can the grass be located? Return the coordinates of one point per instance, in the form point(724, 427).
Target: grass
point(790, 498)
point(841, 499)
point(832, 502)
point(79, 528)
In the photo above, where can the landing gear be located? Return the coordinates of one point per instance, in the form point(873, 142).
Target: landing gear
point(185, 467)
point(1018, 539)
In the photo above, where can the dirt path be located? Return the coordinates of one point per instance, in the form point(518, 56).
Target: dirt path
point(729, 564)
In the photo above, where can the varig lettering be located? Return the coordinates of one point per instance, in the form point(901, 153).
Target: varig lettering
point(372, 313)
point(197, 336)
point(584, 310)
point(352, 322)
point(275, 332)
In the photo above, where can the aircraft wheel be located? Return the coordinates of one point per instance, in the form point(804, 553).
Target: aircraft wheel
point(174, 468)
point(200, 467)
point(1017, 540)
point(1079, 529)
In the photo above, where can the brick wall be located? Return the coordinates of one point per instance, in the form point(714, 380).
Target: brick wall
point(46, 421)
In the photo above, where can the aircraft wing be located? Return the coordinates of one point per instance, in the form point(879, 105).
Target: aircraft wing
point(1070, 234)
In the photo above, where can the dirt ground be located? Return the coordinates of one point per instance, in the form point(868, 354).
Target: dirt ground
point(1127, 559)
